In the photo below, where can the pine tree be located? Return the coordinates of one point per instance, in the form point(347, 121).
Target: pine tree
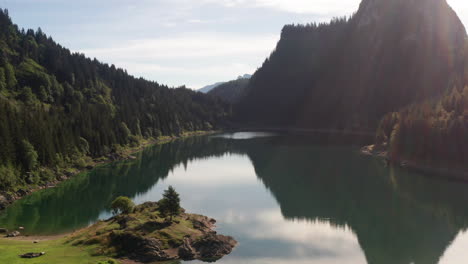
point(10, 76)
point(3, 83)
point(28, 155)
point(170, 204)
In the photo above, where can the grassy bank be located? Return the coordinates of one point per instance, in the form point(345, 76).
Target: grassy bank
point(57, 251)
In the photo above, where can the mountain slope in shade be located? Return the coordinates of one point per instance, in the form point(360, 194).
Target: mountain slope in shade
point(351, 72)
point(233, 90)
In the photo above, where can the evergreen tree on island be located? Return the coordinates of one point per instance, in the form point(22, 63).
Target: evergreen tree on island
point(170, 204)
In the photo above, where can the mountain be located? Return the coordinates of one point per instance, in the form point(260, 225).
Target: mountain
point(233, 90)
point(245, 76)
point(349, 73)
point(208, 88)
point(59, 110)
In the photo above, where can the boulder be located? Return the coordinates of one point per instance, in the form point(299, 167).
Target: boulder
point(3, 230)
point(210, 247)
point(13, 234)
point(140, 248)
point(186, 251)
point(22, 192)
point(3, 202)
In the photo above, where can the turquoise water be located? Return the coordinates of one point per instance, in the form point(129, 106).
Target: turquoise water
point(286, 199)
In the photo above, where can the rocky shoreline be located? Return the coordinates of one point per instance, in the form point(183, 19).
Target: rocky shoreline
point(146, 236)
point(450, 173)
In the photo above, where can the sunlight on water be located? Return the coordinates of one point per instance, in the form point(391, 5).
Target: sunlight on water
point(245, 135)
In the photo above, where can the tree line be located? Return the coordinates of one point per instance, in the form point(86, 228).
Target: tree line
point(59, 108)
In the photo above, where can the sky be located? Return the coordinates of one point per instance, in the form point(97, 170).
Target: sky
point(178, 42)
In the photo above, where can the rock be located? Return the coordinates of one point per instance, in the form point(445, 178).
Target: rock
point(3, 202)
point(142, 249)
point(21, 228)
point(22, 192)
point(3, 230)
point(186, 251)
point(212, 247)
point(150, 226)
point(132, 157)
point(209, 247)
point(122, 220)
point(13, 234)
point(32, 255)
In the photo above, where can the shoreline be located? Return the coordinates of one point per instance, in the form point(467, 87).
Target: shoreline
point(6, 199)
point(458, 174)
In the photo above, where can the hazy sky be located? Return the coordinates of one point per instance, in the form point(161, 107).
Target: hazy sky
point(177, 42)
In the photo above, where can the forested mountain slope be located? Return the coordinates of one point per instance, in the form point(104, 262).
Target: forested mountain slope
point(231, 91)
point(59, 107)
point(349, 73)
point(434, 133)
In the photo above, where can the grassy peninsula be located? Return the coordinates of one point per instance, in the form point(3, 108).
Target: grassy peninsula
point(147, 233)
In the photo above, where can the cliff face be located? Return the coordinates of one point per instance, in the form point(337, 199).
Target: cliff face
point(389, 54)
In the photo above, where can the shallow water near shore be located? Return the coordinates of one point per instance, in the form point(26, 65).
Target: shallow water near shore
point(286, 199)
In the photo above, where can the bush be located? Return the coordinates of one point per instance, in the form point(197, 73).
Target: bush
point(122, 205)
point(29, 155)
point(7, 177)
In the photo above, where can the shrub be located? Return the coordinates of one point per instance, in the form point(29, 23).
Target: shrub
point(7, 177)
point(122, 205)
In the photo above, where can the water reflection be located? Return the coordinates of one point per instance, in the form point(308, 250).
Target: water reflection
point(285, 199)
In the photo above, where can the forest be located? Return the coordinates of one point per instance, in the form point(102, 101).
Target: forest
point(434, 132)
point(408, 74)
point(350, 72)
point(59, 109)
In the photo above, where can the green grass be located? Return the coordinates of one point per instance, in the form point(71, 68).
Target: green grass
point(57, 252)
point(95, 243)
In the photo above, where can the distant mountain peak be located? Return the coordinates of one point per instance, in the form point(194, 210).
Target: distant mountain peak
point(210, 87)
point(245, 76)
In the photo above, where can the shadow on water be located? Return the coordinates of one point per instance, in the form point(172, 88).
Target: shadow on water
point(397, 216)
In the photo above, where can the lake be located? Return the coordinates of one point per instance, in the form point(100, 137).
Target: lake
point(286, 199)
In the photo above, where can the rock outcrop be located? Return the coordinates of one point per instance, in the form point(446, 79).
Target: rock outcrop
point(148, 236)
point(209, 247)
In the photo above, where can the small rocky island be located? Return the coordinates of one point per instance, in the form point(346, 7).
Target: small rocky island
point(155, 231)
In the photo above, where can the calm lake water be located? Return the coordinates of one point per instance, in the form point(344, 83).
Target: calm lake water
point(285, 199)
